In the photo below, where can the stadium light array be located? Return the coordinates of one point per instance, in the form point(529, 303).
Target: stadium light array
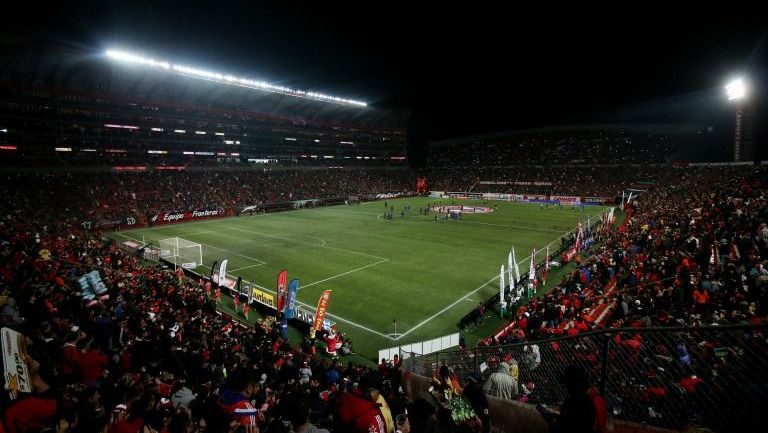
point(126, 57)
point(736, 89)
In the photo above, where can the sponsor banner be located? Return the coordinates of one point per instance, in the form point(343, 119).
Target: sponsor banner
point(464, 195)
point(492, 182)
point(388, 195)
point(121, 222)
point(14, 363)
point(309, 317)
point(227, 282)
point(436, 194)
point(183, 216)
point(322, 308)
point(290, 307)
point(568, 255)
point(566, 199)
point(263, 298)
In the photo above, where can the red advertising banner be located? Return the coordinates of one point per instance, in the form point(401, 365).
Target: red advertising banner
point(184, 216)
point(322, 308)
point(282, 283)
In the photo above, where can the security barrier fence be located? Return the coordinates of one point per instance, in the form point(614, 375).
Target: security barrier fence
point(714, 377)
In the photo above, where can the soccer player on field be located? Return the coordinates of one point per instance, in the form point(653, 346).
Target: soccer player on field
point(245, 310)
point(217, 294)
point(235, 301)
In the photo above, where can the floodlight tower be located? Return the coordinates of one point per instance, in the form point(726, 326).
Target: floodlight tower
point(743, 145)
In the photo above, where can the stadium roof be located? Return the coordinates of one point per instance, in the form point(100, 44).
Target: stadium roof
point(56, 66)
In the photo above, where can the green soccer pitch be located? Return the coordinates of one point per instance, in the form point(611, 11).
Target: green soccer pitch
point(425, 274)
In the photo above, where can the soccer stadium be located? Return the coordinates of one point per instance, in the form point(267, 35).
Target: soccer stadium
point(190, 245)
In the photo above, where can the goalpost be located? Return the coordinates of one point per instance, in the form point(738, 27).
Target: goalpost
point(181, 252)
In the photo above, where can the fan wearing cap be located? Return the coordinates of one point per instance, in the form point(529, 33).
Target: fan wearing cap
point(358, 411)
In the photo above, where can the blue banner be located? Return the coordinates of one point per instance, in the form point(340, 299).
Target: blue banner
point(290, 308)
point(284, 328)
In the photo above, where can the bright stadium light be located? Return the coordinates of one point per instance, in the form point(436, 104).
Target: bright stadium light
point(736, 89)
point(218, 77)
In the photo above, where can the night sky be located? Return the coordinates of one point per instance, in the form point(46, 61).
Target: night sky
point(460, 69)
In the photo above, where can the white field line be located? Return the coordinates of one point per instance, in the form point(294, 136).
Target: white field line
point(308, 243)
point(339, 318)
point(424, 322)
point(539, 229)
point(312, 307)
point(344, 273)
point(248, 267)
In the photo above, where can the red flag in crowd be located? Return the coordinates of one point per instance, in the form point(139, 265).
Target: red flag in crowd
point(282, 284)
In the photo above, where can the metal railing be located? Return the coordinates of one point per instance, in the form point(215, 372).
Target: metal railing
point(714, 376)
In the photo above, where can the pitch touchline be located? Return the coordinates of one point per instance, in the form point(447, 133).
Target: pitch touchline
point(473, 292)
point(299, 302)
point(330, 315)
point(508, 225)
point(308, 243)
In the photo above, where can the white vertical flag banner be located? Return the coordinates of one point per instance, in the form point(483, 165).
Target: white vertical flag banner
point(517, 269)
point(223, 272)
point(510, 272)
point(622, 200)
point(546, 266)
point(501, 286)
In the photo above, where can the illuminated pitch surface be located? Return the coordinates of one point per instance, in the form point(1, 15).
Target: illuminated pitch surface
point(426, 274)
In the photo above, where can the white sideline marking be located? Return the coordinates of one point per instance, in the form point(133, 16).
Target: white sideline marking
point(330, 315)
point(345, 273)
point(197, 233)
point(308, 243)
point(508, 225)
point(447, 308)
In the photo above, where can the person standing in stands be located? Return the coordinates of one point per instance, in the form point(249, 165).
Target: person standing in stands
point(357, 410)
point(236, 399)
point(583, 411)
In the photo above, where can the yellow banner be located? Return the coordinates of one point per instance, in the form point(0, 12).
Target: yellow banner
point(263, 297)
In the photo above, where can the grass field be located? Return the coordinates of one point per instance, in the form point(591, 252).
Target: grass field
point(424, 274)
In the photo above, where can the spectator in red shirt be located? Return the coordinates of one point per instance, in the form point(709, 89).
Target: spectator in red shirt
point(36, 411)
point(92, 364)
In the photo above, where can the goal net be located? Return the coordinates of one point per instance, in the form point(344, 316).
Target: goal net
point(181, 252)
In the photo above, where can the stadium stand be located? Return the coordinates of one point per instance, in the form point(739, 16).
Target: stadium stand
point(665, 312)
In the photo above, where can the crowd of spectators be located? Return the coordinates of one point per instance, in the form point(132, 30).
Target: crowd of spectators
point(563, 146)
point(691, 252)
point(155, 355)
point(115, 195)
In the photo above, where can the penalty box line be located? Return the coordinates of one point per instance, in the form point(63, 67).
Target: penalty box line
point(424, 322)
point(339, 318)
